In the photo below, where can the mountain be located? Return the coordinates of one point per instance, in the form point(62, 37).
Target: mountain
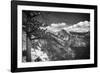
point(62, 46)
point(63, 43)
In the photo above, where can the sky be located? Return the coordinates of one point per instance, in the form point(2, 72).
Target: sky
point(79, 22)
point(63, 17)
point(57, 21)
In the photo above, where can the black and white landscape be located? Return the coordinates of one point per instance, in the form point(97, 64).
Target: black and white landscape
point(55, 36)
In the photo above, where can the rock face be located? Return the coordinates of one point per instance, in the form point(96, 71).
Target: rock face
point(63, 46)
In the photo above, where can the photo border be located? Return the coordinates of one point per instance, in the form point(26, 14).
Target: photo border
point(14, 32)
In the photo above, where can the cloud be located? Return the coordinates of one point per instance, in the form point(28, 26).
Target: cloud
point(79, 27)
point(56, 27)
point(58, 24)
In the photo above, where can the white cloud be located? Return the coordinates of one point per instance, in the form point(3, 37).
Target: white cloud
point(56, 27)
point(58, 24)
point(79, 27)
